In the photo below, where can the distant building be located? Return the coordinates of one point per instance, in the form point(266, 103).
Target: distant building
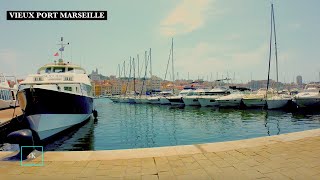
point(299, 80)
point(95, 76)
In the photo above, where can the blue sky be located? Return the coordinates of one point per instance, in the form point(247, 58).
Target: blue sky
point(210, 37)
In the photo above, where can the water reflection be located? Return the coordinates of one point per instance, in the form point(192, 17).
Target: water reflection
point(123, 126)
point(75, 140)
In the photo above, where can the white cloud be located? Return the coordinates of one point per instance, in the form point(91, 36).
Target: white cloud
point(188, 16)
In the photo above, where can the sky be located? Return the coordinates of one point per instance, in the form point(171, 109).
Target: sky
point(212, 38)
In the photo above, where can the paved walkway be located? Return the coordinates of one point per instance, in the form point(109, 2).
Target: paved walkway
point(288, 156)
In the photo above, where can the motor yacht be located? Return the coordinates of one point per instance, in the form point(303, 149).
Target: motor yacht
point(192, 98)
point(234, 99)
point(178, 100)
point(58, 97)
point(211, 98)
point(310, 97)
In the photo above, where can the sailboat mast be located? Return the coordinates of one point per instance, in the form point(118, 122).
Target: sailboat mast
point(150, 63)
point(275, 42)
point(138, 66)
point(134, 76)
point(270, 49)
point(172, 65)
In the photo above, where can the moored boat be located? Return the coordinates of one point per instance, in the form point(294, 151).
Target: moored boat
point(58, 97)
point(310, 97)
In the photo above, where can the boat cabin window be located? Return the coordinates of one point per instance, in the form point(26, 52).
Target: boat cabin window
point(70, 69)
point(58, 69)
point(67, 88)
point(48, 70)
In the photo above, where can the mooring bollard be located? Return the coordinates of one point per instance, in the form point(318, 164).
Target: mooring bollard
point(22, 137)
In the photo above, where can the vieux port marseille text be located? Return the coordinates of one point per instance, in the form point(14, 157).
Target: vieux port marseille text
point(56, 15)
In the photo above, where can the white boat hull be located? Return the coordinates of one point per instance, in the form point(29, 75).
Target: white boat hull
point(47, 125)
point(164, 101)
point(206, 102)
point(229, 102)
point(252, 103)
point(154, 100)
point(191, 101)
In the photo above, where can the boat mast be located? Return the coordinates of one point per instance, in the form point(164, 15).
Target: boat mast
point(275, 44)
point(172, 66)
point(134, 76)
point(138, 67)
point(270, 49)
point(150, 63)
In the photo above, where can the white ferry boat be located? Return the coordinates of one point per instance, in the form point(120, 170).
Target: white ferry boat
point(58, 97)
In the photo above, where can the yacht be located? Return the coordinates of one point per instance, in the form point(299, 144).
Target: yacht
point(278, 101)
point(178, 100)
point(58, 97)
point(310, 97)
point(213, 95)
point(163, 97)
point(234, 99)
point(7, 93)
point(192, 98)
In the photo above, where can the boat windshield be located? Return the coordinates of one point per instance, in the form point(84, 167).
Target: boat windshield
point(61, 69)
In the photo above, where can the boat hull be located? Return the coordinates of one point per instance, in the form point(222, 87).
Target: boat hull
point(50, 112)
point(207, 102)
point(176, 101)
point(277, 103)
point(154, 100)
point(164, 101)
point(229, 103)
point(307, 102)
point(191, 101)
point(254, 103)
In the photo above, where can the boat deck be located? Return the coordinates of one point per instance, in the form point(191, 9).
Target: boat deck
point(7, 115)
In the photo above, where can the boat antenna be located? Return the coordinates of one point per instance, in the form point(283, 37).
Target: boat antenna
point(62, 47)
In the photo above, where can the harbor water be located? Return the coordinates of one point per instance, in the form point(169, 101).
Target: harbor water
point(126, 126)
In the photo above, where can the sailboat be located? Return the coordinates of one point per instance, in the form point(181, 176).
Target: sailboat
point(276, 100)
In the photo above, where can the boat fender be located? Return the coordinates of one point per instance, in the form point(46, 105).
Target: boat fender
point(22, 137)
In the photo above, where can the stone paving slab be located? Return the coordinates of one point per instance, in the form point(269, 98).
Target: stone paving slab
point(286, 156)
